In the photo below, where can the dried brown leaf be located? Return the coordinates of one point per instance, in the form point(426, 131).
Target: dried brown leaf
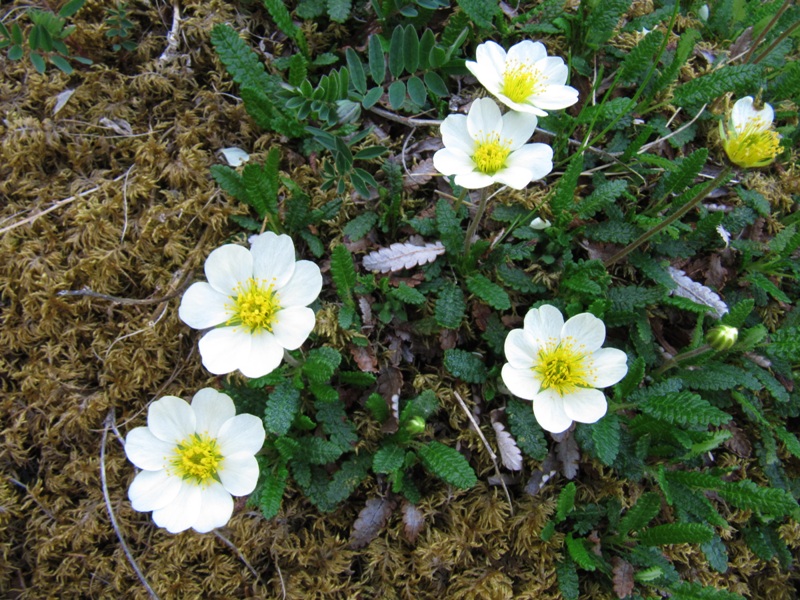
point(413, 521)
point(510, 453)
point(365, 358)
point(401, 256)
point(623, 577)
point(419, 174)
point(370, 521)
point(567, 452)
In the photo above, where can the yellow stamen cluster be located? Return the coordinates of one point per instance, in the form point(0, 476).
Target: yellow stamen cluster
point(490, 156)
point(198, 458)
point(754, 146)
point(520, 81)
point(254, 306)
point(561, 368)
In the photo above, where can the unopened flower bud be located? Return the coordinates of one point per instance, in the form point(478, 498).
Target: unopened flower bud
point(415, 426)
point(702, 12)
point(722, 337)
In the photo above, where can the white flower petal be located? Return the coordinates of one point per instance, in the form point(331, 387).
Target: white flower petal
point(216, 508)
point(585, 332)
point(536, 158)
point(211, 409)
point(304, 286)
point(489, 66)
point(146, 451)
point(553, 70)
point(527, 51)
point(265, 355)
point(182, 511)
point(202, 306)
point(484, 119)
point(608, 366)
point(555, 97)
point(273, 258)
point(744, 113)
point(514, 177)
point(586, 405)
point(243, 434)
point(224, 349)
point(239, 474)
point(520, 349)
point(474, 180)
point(151, 490)
point(548, 408)
point(520, 382)
point(544, 325)
point(455, 135)
point(518, 127)
point(171, 419)
point(449, 161)
point(292, 326)
point(227, 266)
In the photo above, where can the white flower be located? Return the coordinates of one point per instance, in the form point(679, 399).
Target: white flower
point(525, 79)
point(539, 223)
point(193, 458)
point(748, 138)
point(259, 299)
point(558, 365)
point(486, 147)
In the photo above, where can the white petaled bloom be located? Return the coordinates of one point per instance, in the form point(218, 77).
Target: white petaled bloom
point(525, 78)
point(485, 147)
point(257, 301)
point(539, 223)
point(559, 365)
point(193, 459)
point(748, 137)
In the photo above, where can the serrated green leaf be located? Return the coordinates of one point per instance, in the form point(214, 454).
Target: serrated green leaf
point(449, 226)
point(716, 554)
point(281, 408)
point(640, 58)
point(339, 10)
point(568, 581)
point(566, 501)
point(640, 514)
point(334, 421)
point(682, 174)
point(422, 406)
point(465, 365)
point(606, 437)
point(321, 364)
point(580, 553)
point(271, 491)
point(239, 60)
point(604, 19)
point(526, 430)
point(280, 14)
point(676, 533)
point(480, 12)
point(563, 196)
point(450, 307)
point(261, 194)
point(684, 408)
point(706, 88)
point(488, 291)
point(343, 271)
point(447, 464)
point(408, 295)
point(359, 227)
point(767, 501)
point(686, 590)
point(377, 406)
point(388, 458)
point(684, 50)
point(318, 451)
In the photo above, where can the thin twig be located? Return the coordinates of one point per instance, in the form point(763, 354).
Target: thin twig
point(784, 7)
point(171, 51)
point(34, 498)
point(129, 301)
point(405, 120)
point(114, 524)
point(280, 574)
point(55, 206)
point(241, 556)
point(492, 455)
point(125, 204)
point(646, 147)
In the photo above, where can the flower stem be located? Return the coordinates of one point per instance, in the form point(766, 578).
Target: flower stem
point(676, 360)
point(765, 31)
point(290, 360)
point(476, 220)
point(777, 41)
point(670, 219)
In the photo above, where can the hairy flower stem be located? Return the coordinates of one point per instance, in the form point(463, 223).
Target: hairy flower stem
point(676, 360)
point(765, 31)
point(476, 220)
point(723, 176)
point(777, 41)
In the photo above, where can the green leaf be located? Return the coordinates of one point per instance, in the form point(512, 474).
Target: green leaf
point(606, 437)
point(706, 88)
point(603, 196)
point(631, 380)
point(411, 49)
point(747, 495)
point(70, 8)
point(408, 295)
point(271, 491)
point(389, 458)
point(62, 63)
point(261, 192)
point(449, 226)
point(640, 58)
point(282, 407)
point(334, 421)
point(640, 514)
point(566, 501)
point(738, 313)
point(397, 94)
point(488, 291)
point(685, 48)
point(764, 283)
point(676, 533)
point(480, 12)
point(318, 451)
point(416, 90)
point(321, 364)
point(465, 365)
point(562, 199)
point(343, 271)
point(359, 227)
point(450, 307)
point(568, 579)
point(38, 62)
point(684, 408)
point(239, 60)
point(298, 70)
point(280, 14)
point(436, 84)
point(603, 21)
point(422, 406)
point(230, 181)
point(526, 429)
point(15, 52)
point(716, 554)
point(447, 464)
point(685, 590)
point(397, 52)
point(580, 553)
point(345, 481)
point(371, 97)
point(683, 175)
point(377, 64)
point(377, 406)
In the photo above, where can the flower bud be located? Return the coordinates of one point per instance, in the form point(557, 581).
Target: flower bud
point(702, 12)
point(415, 426)
point(722, 337)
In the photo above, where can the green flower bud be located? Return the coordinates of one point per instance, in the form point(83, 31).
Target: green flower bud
point(415, 426)
point(722, 337)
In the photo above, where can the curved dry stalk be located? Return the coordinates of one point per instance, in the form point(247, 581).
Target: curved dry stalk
point(104, 482)
point(241, 556)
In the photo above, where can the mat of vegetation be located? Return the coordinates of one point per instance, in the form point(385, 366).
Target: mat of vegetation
point(504, 296)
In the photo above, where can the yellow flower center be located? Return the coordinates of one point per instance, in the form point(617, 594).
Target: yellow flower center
point(490, 156)
point(754, 146)
point(520, 80)
point(198, 458)
point(561, 368)
point(254, 305)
